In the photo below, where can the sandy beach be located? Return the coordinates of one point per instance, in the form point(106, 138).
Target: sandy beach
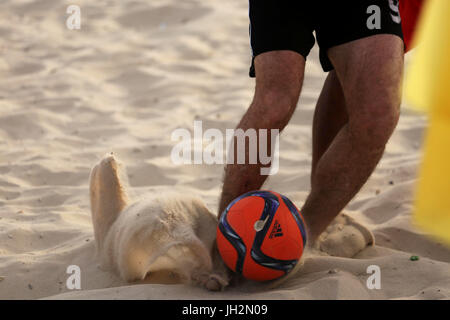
point(133, 73)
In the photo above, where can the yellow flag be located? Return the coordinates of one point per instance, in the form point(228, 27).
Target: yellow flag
point(428, 89)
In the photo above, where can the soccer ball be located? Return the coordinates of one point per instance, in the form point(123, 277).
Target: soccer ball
point(261, 235)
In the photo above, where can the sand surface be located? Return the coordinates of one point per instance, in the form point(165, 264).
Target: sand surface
point(134, 72)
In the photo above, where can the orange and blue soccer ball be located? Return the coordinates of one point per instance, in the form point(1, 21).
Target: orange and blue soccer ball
point(261, 235)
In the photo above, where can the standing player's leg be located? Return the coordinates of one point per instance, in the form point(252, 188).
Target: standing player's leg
point(281, 36)
point(279, 77)
point(329, 117)
point(370, 72)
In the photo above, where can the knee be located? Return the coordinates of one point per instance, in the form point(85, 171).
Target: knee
point(373, 126)
point(275, 106)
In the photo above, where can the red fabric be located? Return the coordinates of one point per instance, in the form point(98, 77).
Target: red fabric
point(410, 13)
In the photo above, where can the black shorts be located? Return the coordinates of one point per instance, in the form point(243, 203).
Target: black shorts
point(289, 24)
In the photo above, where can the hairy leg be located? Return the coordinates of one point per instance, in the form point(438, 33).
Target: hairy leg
point(329, 117)
point(279, 77)
point(370, 72)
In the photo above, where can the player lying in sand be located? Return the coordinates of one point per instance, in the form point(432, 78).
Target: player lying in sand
point(160, 232)
point(358, 107)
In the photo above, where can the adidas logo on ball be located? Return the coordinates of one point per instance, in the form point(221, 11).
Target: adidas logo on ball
point(276, 230)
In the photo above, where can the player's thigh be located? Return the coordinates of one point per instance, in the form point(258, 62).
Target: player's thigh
point(279, 75)
point(281, 37)
point(370, 71)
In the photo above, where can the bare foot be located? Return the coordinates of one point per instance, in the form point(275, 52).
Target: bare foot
point(344, 237)
point(212, 282)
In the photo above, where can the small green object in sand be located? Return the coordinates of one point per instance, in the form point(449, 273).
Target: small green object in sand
point(414, 258)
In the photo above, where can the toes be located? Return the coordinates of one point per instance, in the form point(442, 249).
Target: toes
point(216, 283)
point(213, 285)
